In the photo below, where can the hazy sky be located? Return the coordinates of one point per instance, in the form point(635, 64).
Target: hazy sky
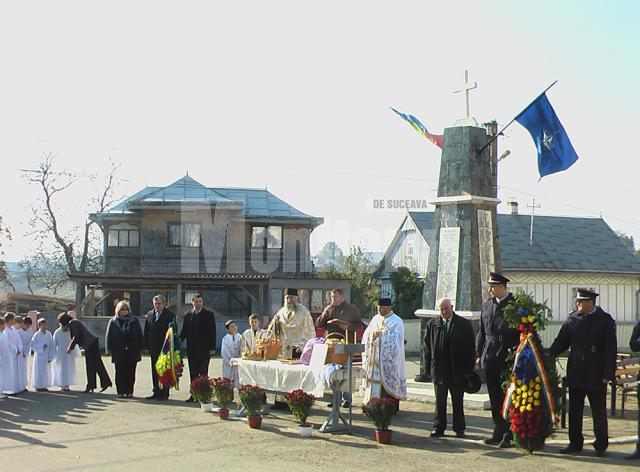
point(295, 96)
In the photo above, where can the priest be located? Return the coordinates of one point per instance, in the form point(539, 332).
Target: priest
point(294, 324)
point(383, 359)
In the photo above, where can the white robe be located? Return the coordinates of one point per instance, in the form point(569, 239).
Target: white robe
point(230, 349)
point(7, 354)
point(42, 373)
point(23, 364)
point(297, 328)
point(16, 348)
point(65, 363)
point(250, 340)
point(383, 359)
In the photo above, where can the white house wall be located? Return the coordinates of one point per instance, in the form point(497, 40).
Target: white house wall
point(618, 293)
point(400, 254)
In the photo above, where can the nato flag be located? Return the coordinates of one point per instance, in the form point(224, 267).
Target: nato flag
point(555, 152)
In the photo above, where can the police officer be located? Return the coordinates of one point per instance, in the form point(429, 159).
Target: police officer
point(634, 344)
point(493, 340)
point(590, 332)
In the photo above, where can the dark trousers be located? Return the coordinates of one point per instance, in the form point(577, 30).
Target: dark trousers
point(598, 404)
point(125, 377)
point(198, 364)
point(94, 365)
point(496, 397)
point(440, 418)
point(158, 390)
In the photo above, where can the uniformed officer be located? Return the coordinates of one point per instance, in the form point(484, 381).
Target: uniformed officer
point(493, 340)
point(634, 344)
point(590, 332)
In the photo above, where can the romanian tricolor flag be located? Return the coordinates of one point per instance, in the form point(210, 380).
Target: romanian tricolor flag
point(436, 139)
point(169, 364)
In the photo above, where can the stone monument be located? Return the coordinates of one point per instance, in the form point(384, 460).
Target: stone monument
point(466, 247)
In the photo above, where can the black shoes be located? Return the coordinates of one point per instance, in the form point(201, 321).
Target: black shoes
point(102, 389)
point(189, 400)
point(420, 378)
point(88, 390)
point(460, 434)
point(151, 397)
point(601, 452)
point(436, 434)
point(506, 442)
point(492, 441)
point(571, 449)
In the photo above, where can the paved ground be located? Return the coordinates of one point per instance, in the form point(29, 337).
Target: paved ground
point(76, 431)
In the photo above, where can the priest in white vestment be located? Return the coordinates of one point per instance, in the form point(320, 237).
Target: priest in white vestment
point(41, 345)
point(383, 359)
point(295, 325)
point(64, 372)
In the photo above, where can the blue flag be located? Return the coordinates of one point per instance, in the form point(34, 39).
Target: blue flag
point(555, 152)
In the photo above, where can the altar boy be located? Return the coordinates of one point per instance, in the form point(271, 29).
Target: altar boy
point(42, 345)
point(251, 335)
point(23, 327)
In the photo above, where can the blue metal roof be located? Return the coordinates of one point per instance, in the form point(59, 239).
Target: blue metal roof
point(559, 243)
point(255, 203)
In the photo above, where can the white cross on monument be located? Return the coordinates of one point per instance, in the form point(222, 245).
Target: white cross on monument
point(467, 86)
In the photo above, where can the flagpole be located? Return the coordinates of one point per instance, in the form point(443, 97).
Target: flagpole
point(493, 138)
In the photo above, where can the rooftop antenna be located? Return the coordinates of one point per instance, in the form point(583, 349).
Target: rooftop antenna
point(533, 207)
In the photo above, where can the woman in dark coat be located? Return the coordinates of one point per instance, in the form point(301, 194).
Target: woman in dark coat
point(124, 341)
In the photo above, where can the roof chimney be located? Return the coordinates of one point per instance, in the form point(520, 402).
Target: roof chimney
point(513, 204)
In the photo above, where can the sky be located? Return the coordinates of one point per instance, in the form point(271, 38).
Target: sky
point(295, 95)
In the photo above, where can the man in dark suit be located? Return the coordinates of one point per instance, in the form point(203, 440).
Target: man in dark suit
point(634, 344)
point(199, 331)
point(449, 353)
point(493, 340)
point(155, 329)
point(590, 332)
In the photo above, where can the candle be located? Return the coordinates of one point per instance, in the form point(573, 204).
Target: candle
point(346, 336)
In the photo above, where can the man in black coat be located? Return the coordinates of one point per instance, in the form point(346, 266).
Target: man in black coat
point(449, 354)
point(493, 341)
point(156, 324)
point(590, 332)
point(199, 331)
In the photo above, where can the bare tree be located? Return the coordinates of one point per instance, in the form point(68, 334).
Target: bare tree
point(45, 221)
point(4, 234)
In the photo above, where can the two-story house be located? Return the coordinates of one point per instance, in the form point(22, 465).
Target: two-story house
point(239, 247)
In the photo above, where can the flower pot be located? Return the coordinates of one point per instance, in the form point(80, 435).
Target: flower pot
point(305, 431)
point(254, 421)
point(206, 407)
point(383, 437)
point(223, 413)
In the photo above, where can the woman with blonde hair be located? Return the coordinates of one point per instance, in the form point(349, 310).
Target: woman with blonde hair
point(124, 341)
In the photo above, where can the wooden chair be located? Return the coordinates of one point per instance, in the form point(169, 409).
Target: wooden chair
point(626, 380)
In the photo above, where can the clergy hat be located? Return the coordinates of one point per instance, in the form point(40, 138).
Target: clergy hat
point(292, 291)
point(228, 323)
point(384, 302)
point(584, 294)
point(496, 279)
point(472, 383)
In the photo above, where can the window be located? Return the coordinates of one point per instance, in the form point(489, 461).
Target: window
point(303, 296)
point(266, 236)
point(316, 300)
point(187, 234)
point(123, 235)
point(277, 297)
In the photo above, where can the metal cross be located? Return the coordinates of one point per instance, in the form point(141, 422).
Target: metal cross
point(466, 87)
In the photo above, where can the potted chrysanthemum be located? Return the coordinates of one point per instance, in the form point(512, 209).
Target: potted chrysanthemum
point(380, 411)
point(223, 393)
point(300, 404)
point(202, 391)
point(251, 399)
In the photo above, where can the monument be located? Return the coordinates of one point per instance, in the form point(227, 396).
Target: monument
point(466, 247)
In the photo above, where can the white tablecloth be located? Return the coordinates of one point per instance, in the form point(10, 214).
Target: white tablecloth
point(278, 377)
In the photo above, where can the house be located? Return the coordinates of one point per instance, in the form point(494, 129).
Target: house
point(239, 247)
point(566, 253)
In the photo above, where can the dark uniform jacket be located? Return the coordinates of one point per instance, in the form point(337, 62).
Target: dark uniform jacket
point(448, 357)
point(494, 337)
point(124, 340)
point(634, 342)
point(592, 339)
point(345, 312)
point(199, 331)
point(80, 335)
point(155, 331)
